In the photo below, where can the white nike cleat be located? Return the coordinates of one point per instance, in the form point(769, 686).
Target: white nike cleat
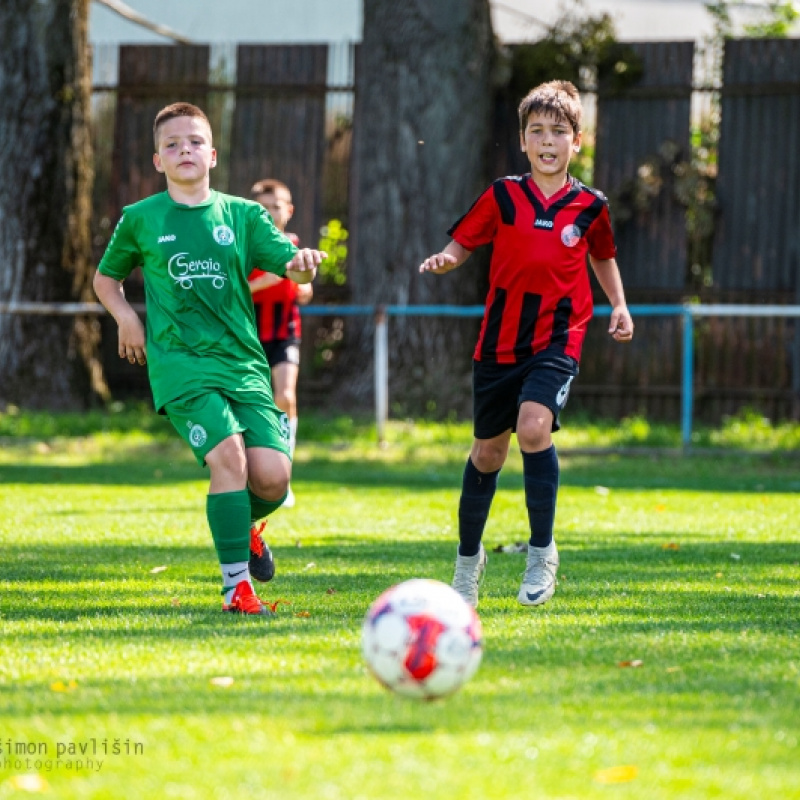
point(539, 580)
point(468, 575)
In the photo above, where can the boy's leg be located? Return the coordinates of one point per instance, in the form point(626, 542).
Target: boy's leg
point(269, 470)
point(209, 426)
point(544, 395)
point(285, 366)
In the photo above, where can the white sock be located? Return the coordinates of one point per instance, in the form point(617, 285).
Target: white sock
point(232, 575)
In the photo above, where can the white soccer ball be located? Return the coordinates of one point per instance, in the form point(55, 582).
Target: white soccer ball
point(421, 639)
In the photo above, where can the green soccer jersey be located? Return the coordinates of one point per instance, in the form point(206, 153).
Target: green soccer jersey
point(201, 331)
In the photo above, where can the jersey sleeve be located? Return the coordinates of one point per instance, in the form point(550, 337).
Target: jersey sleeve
point(270, 250)
point(600, 237)
point(479, 225)
point(122, 255)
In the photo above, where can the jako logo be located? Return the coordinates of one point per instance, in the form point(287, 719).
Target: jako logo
point(170, 237)
point(543, 223)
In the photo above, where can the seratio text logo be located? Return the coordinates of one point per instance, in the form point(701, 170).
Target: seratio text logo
point(185, 271)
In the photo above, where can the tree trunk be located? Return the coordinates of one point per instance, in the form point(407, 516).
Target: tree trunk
point(45, 202)
point(422, 124)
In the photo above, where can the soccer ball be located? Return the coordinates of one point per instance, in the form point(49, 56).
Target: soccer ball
point(421, 639)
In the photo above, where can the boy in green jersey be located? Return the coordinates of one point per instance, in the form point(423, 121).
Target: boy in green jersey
point(207, 369)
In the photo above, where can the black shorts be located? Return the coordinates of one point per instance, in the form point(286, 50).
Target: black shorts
point(498, 390)
point(281, 351)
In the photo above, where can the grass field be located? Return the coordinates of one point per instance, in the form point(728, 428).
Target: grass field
point(120, 678)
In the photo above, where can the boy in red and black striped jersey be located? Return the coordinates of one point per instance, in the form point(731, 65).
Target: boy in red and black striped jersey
point(277, 304)
point(543, 227)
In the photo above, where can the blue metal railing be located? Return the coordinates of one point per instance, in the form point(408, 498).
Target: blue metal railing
point(688, 312)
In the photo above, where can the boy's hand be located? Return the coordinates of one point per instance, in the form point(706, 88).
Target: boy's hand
point(439, 263)
point(303, 267)
point(132, 339)
point(621, 325)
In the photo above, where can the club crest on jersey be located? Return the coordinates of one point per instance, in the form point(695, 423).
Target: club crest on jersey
point(223, 235)
point(543, 223)
point(197, 435)
point(570, 235)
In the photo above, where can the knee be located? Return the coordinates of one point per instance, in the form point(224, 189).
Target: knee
point(269, 485)
point(285, 399)
point(489, 456)
point(534, 434)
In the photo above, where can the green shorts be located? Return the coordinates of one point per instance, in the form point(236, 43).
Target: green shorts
point(205, 420)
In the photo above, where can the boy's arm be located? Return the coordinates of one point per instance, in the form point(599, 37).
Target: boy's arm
point(264, 281)
point(607, 272)
point(454, 255)
point(131, 331)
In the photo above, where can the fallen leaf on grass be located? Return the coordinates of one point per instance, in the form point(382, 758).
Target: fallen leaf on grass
point(175, 602)
point(156, 570)
point(330, 591)
point(29, 783)
point(718, 575)
point(60, 686)
point(273, 606)
point(620, 774)
point(222, 680)
point(303, 614)
point(671, 546)
point(636, 662)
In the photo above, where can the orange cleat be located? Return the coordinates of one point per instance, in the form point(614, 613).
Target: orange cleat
point(244, 601)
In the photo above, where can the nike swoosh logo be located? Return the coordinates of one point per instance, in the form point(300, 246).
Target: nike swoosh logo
point(537, 595)
point(234, 574)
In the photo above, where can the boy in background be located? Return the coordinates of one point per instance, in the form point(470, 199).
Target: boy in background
point(277, 310)
point(207, 369)
point(543, 226)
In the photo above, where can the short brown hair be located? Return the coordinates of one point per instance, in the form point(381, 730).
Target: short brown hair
point(269, 186)
point(177, 110)
point(559, 99)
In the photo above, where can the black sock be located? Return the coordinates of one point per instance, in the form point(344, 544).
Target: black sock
point(477, 491)
point(541, 488)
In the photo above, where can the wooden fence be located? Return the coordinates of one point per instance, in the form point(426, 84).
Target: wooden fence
point(277, 119)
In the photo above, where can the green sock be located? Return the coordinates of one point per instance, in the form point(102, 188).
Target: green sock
point(260, 508)
point(229, 519)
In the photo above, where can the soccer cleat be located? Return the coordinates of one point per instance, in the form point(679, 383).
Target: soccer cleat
point(468, 575)
point(244, 601)
point(289, 501)
point(539, 580)
point(262, 565)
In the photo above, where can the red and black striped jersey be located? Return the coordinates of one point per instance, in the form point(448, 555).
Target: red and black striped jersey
point(277, 310)
point(539, 292)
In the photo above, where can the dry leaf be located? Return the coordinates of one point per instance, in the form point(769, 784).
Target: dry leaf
point(303, 614)
point(620, 774)
point(636, 662)
point(222, 680)
point(175, 602)
point(156, 570)
point(330, 591)
point(29, 783)
point(671, 546)
point(273, 606)
point(517, 547)
point(718, 575)
point(60, 686)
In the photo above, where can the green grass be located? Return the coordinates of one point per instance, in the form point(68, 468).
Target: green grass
point(110, 629)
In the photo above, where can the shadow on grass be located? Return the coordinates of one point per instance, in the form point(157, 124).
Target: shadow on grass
point(698, 473)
